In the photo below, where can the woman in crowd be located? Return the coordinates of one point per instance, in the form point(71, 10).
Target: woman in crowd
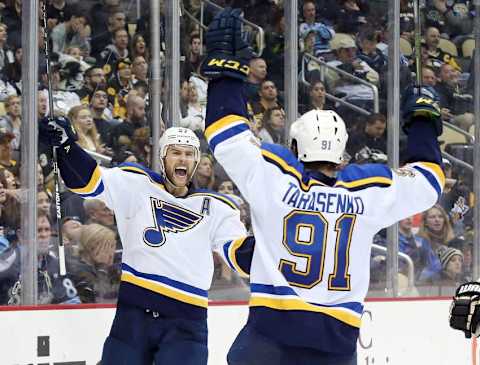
point(195, 111)
point(139, 48)
point(273, 126)
point(88, 137)
point(204, 176)
point(436, 228)
point(94, 274)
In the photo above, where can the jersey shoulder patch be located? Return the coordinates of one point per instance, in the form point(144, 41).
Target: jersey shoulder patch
point(358, 177)
point(141, 170)
point(225, 199)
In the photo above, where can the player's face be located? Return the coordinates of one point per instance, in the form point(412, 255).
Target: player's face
point(179, 164)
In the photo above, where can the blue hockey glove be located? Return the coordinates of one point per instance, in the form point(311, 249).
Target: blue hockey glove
point(228, 55)
point(56, 132)
point(465, 309)
point(420, 105)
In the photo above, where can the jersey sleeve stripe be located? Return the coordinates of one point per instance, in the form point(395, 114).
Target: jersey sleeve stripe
point(226, 134)
point(166, 286)
point(223, 124)
point(379, 181)
point(233, 257)
point(435, 169)
point(222, 198)
point(93, 184)
point(430, 178)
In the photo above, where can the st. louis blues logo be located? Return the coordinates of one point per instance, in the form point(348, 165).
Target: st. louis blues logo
point(168, 218)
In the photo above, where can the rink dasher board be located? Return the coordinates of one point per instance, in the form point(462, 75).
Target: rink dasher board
point(411, 331)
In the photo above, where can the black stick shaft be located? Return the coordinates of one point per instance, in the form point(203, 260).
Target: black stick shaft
point(56, 178)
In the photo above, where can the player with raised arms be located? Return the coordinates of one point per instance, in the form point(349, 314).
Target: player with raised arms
point(168, 231)
point(313, 222)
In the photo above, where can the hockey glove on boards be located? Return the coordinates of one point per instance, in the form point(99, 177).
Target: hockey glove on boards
point(421, 105)
point(465, 309)
point(228, 55)
point(56, 132)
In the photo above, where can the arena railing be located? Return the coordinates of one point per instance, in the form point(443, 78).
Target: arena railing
point(324, 65)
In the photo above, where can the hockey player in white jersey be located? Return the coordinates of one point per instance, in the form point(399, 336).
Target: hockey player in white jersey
point(168, 232)
point(313, 224)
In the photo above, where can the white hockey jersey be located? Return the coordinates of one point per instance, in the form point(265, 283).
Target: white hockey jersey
point(167, 241)
point(310, 269)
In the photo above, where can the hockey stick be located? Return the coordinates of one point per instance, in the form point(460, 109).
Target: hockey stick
point(418, 41)
point(56, 179)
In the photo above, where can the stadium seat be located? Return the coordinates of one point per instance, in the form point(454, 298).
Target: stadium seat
point(405, 47)
point(467, 48)
point(131, 29)
point(448, 46)
point(451, 136)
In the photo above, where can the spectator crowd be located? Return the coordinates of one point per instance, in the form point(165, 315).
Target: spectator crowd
point(99, 72)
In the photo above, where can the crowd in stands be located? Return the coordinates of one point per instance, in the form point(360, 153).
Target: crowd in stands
point(100, 65)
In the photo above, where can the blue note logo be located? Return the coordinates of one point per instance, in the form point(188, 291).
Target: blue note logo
point(168, 218)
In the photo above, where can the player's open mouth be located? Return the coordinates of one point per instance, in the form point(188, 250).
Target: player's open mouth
point(181, 172)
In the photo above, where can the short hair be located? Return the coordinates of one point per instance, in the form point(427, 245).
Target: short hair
point(372, 118)
point(193, 36)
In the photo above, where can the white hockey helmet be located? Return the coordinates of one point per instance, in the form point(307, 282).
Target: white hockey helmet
point(320, 135)
point(182, 137)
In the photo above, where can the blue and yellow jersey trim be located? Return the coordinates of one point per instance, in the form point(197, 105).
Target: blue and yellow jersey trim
point(288, 164)
point(230, 253)
point(94, 186)
point(284, 298)
point(433, 173)
point(225, 128)
point(168, 287)
point(154, 178)
point(220, 197)
point(358, 177)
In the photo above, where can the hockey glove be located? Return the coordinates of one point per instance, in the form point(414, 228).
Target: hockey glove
point(465, 309)
point(56, 132)
point(421, 104)
point(228, 55)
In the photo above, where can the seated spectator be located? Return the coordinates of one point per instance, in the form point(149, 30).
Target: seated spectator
point(12, 120)
point(453, 18)
point(93, 77)
point(94, 274)
point(435, 227)
point(371, 136)
point(6, 152)
point(73, 32)
point(114, 52)
point(428, 76)
point(56, 13)
point(10, 283)
point(52, 288)
point(12, 18)
point(119, 85)
point(368, 52)
point(97, 212)
point(204, 177)
point(316, 97)
point(452, 267)
point(88, 137)
point(140, 146)
point(226, 187)
point(426, 262)
point(323, 33)
point(12, 75)
point(407, 20)
point(435, 54)
point(352, 15)
point(122, 133)
point(6, 54)
point(139, 69)
point(44, 202)
point(273, 126)
point(257, 74)
point(274, 52)
point(343, 87)
point(9, 205)
point(195, 118)
point(193, 58)
point(101, 114)
point(71, 230)
point(63, 100)
point(139, 48)
point(268, 99)
point(456, 105)
point(106, 19)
